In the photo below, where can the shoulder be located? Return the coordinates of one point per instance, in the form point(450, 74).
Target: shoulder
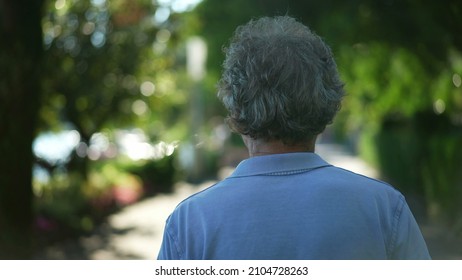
point(361, 189)
point(360, 180)
point(197, 197)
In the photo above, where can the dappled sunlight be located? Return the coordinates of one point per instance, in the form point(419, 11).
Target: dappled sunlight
point(134, 145)
point(56, 147)
point(456, 80)
point(439, 106)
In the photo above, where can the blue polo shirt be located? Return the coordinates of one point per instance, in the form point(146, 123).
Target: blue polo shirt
point(293, 206)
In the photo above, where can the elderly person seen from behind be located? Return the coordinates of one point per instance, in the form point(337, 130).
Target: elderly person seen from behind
point(281, 87)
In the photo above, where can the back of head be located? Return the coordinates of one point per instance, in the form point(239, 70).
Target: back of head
point(279, 81)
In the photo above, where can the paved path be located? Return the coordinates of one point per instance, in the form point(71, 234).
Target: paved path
point(136, 231)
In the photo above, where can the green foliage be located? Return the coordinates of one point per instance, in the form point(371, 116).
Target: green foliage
point(422, 158)
point(410, 120)
point(219, 19)
point(70, 204)
point(382, 83)
point(158, 176)
point(62, 203)
point(92, 54)
point(110, 66)
point(441, 173)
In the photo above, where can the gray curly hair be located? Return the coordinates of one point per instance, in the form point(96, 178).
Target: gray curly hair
point(279, 81)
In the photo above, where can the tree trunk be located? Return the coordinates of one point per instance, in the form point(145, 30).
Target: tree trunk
point(20, 56)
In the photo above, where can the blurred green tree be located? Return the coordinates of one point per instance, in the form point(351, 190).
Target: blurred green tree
point(106, 65)
point(20, 60)
point(113, 64)
point(94, 50)
point(110, 66)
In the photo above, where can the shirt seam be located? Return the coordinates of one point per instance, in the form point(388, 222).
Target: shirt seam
point(280, 173)
point(175, 242)
point(396, 218)
point(366, 177)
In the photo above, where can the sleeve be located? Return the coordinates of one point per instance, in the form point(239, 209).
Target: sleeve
point(407, 241)
point(168, 249)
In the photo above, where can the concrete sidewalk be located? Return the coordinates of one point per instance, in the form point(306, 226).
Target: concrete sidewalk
point(136, 231)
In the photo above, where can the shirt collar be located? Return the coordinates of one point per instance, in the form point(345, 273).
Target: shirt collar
point(278, 164)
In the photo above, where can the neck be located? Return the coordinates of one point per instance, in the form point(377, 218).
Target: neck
point(258, 147)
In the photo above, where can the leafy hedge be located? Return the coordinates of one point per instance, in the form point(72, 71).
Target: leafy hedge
point(409, 119)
